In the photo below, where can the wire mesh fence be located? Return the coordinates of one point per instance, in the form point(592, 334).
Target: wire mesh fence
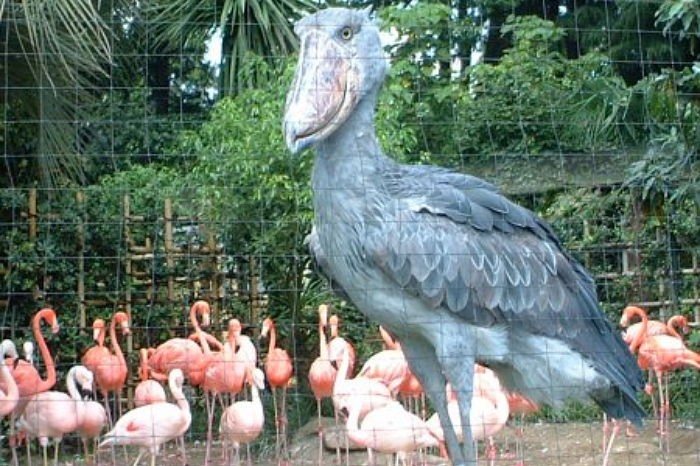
point(146, 172)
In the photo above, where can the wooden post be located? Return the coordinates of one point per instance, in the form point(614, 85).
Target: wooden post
point(32, 217)
point(664, 309)
point(586, 235)
point(32, 214)
point(169, 247)
point(128, 269)
point(254, 284)
point(696, 291)
point(80, 202)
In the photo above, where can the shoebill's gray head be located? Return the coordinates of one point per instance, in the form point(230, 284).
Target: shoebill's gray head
point(341, 62)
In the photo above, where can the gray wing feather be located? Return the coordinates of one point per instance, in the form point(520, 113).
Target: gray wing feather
point(462, 246)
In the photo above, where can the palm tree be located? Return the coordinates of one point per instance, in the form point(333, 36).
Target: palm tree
point(53, 52)
point(257, 27)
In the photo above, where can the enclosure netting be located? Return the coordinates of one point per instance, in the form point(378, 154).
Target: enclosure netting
point(144, 168)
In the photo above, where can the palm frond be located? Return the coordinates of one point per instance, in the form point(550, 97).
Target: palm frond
point(248, 27)
point(56, 49)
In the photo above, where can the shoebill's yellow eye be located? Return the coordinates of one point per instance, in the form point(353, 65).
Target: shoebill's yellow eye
point(346, 33)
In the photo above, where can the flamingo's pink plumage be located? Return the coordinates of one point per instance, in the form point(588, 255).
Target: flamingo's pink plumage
point(147, 391)
point(52, 414)
point(152, 425)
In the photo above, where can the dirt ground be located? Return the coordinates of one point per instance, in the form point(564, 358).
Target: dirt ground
point(542, 444)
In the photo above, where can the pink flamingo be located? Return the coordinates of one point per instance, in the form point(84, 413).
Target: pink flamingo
point(662, 354)
point(243, 421)
point(182, 353)
point(386, 429)
point(28, 380)
point(638, 332)
point(53, 414)
point(92, 356)
point(150, 426)
point(321, 373)
point(224, 372)
point(9, 393)
point(25, 374)
point(278, 370)
point(148, 391)
point(110, 369)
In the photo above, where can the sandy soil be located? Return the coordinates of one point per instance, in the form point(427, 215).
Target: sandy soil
point(541, 445)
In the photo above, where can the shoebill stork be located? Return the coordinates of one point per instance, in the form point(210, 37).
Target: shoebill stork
point(453, 269)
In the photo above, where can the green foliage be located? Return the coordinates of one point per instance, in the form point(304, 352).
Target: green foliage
point(421, 87)
point(18, 138)
point(129, 131)
point(680, 15)
point(245, 181)
point(662, 106)
point(532, 33)
point(668, 171)
point(536, 100)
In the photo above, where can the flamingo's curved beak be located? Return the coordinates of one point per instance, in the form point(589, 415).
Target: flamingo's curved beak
point(624, 321)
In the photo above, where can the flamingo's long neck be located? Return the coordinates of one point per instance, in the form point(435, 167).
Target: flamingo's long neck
point(639, 337)
point(203, 342)
point(179, 396)
point(12, 392)
point(74, 393)
point(343, 369)
point(273, 338)
point(199, 307)
point(255, 396)
point(115, 343)
point(323, 344)
point(101, 336)
point(50, 381)
point(143, 366)
point(232, 342)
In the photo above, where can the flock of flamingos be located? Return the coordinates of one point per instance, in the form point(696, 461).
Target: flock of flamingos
point(367, 402)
